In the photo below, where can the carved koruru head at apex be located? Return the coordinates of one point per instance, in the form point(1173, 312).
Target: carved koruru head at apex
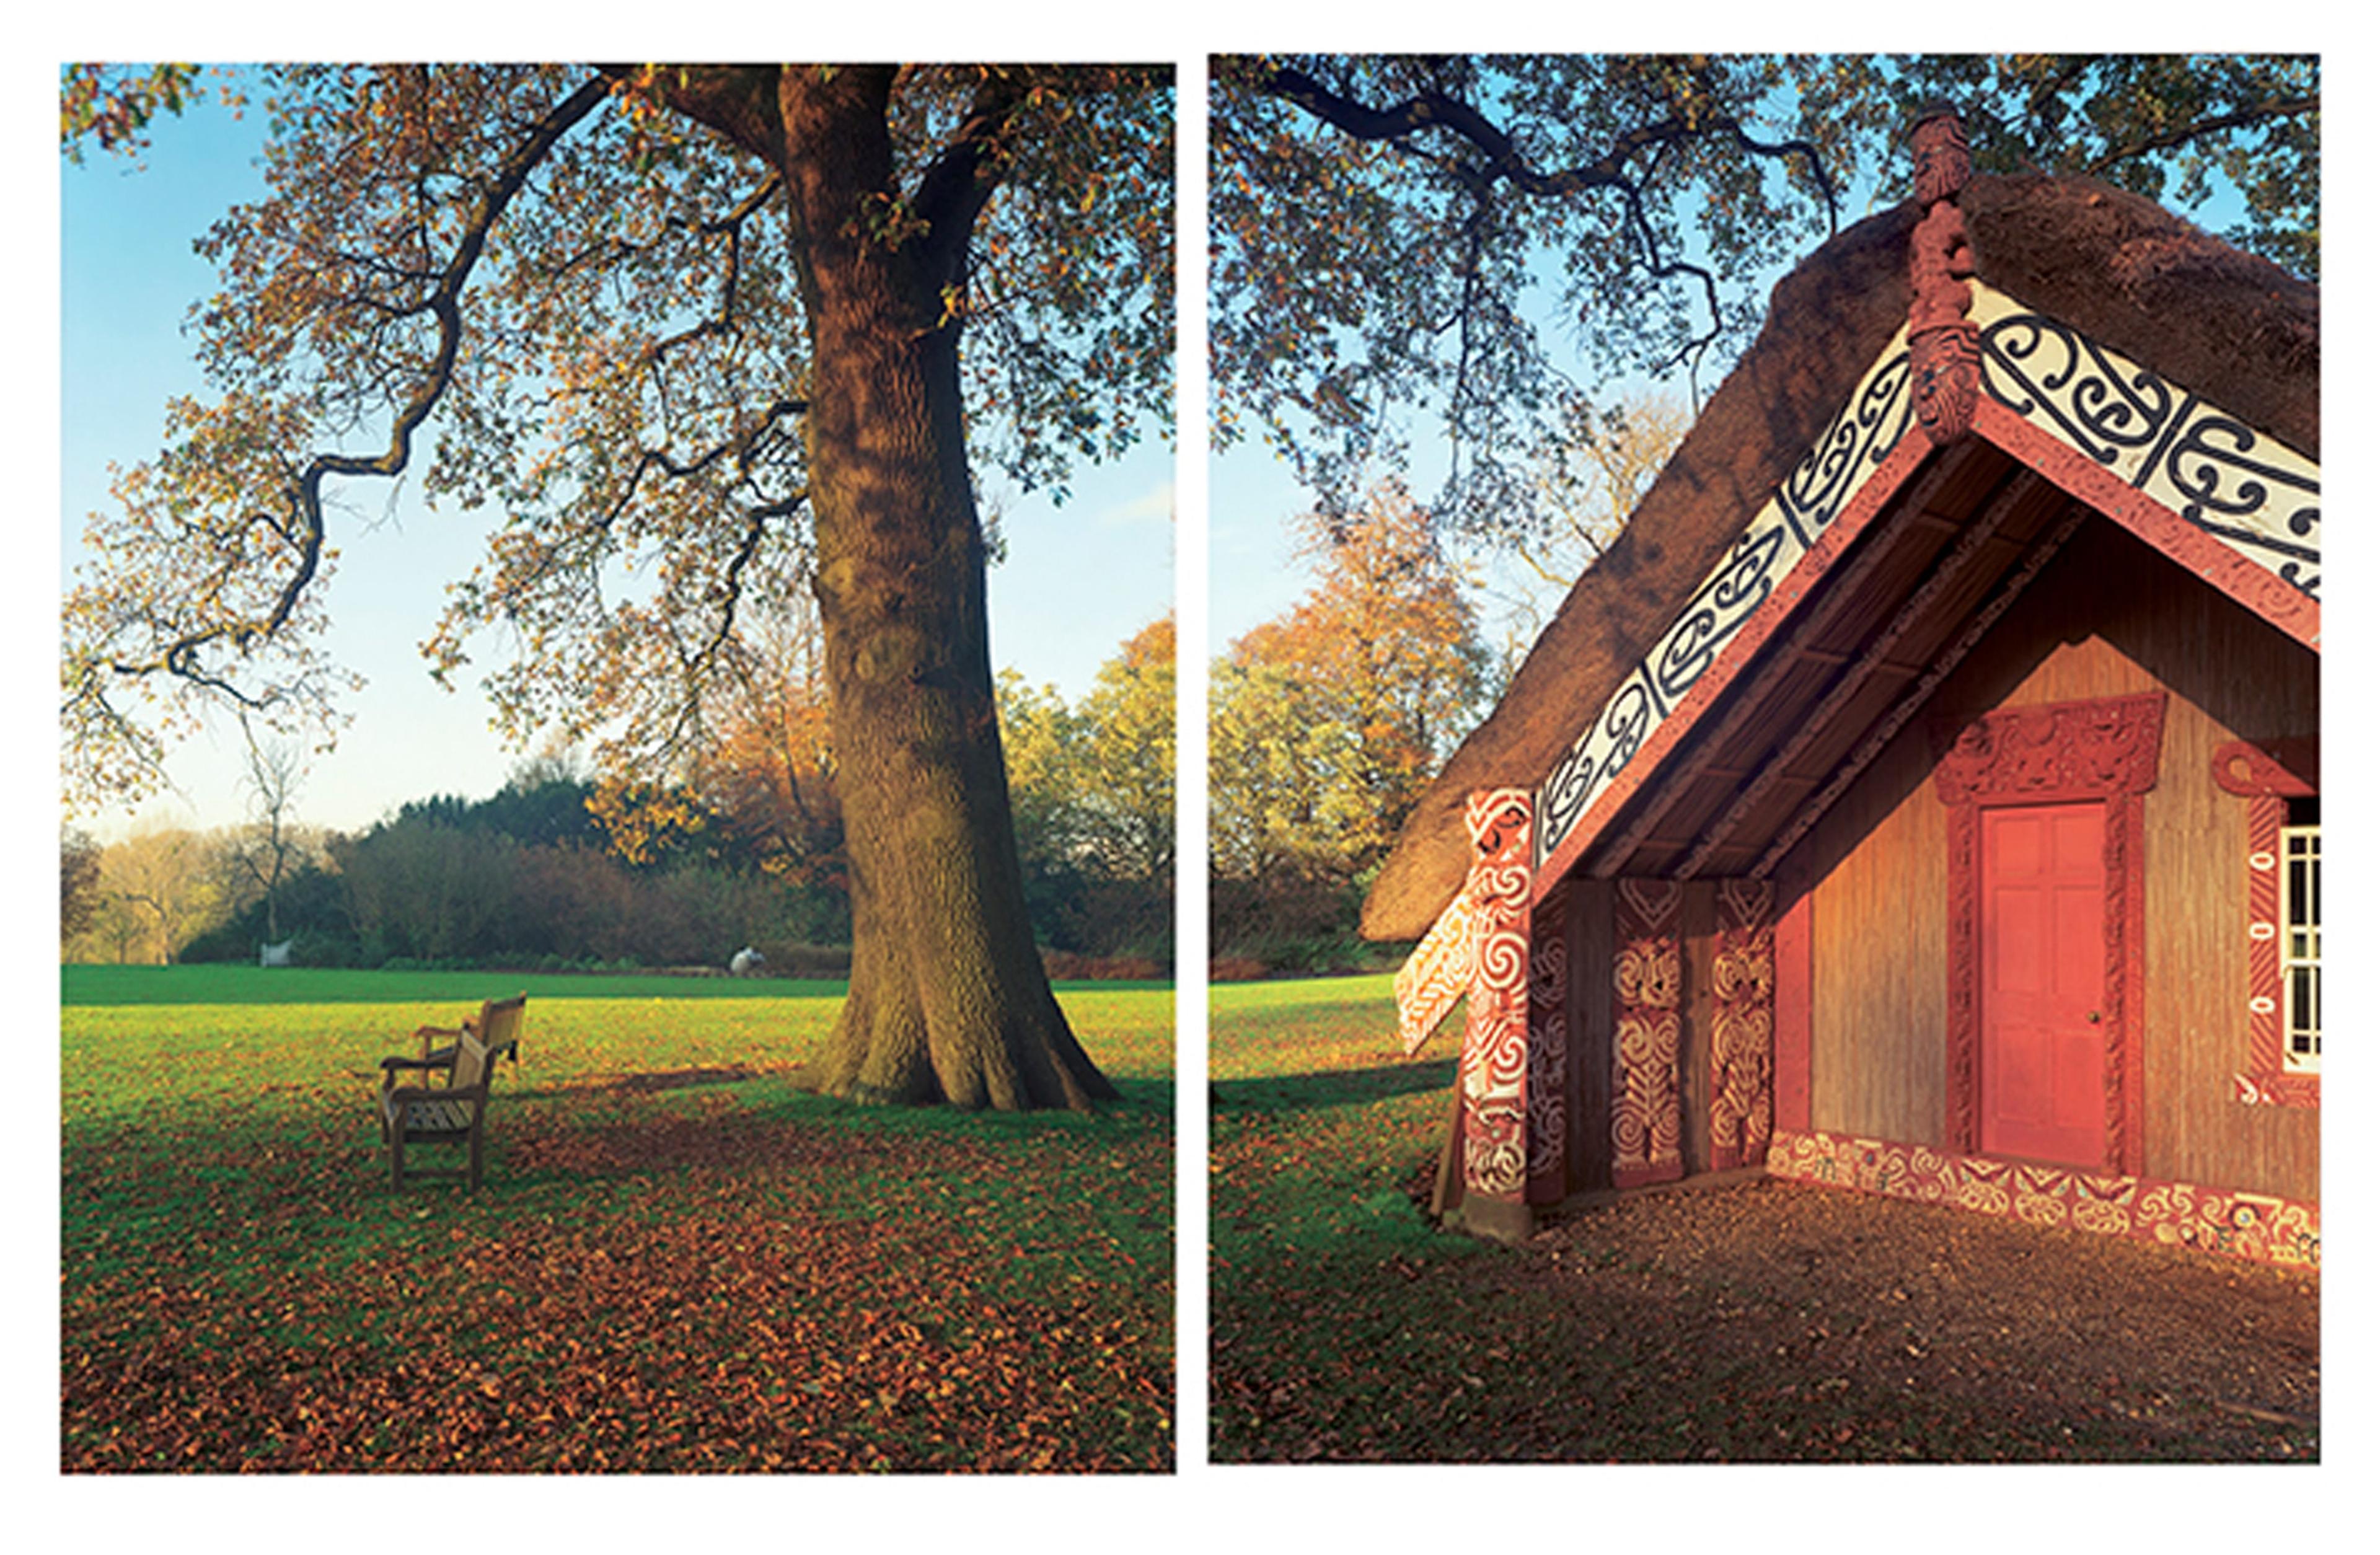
point(2114, 265)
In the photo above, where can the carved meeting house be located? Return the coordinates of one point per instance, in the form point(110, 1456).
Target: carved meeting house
point(1923, 796)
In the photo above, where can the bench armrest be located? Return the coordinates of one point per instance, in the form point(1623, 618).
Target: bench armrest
point(397, 1096)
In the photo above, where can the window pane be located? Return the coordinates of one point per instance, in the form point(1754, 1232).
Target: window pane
point(2302, 946)
point(2306, 1012)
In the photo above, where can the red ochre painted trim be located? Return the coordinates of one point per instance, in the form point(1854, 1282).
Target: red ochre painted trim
point(1890, 475)
point(2105, 750)
point(2287, 609)
point(2228, 1222)
point(2248, 770)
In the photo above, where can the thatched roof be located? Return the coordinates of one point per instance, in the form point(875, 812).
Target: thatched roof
point(2119, 268)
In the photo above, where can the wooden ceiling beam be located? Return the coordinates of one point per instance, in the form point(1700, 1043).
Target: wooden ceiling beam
point(1976, 552)
point(1746, 698)
point(1948, 658)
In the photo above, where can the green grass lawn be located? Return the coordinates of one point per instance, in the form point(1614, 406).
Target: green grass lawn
point(1683, 1326)
point(1321, 1322)
point(680, 1261)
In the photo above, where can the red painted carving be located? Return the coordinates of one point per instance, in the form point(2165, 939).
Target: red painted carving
point(2125, 929)
point(1946, 371)
point(2054, 753)
point(1744, 1005)
point(2066, 752)
point(1962, 1034)
point(1946, 375)
point(1492, 1075)
point(1938, 149)
point(1549, 1048)
point(1646, 987)
point(2286, 768)
point(2268, 775)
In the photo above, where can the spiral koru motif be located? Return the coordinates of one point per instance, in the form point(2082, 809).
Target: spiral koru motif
point(1625, 723)
point(1646, 972)
point(2107, 408)
point(1743, 972)
point(1857, 442)
point(1493, 1160)
point(1711, 621)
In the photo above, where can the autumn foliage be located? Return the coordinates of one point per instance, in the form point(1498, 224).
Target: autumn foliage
point(1327, 723)
point(681, 1262)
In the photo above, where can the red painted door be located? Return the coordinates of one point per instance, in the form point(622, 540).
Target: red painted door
point(2043, 969)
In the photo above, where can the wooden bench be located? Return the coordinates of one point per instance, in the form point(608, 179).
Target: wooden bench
point(453, 1111)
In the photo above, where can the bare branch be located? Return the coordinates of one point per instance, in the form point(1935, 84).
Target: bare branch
point(2181, 135)
point(305, 528)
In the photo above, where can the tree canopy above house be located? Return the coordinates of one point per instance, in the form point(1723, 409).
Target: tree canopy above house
point(1472, 246)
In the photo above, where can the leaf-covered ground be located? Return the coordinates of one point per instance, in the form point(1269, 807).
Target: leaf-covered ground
point(1760, 1322)
point(680, 1261)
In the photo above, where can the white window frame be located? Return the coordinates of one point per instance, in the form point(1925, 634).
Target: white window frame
point(2301, 929)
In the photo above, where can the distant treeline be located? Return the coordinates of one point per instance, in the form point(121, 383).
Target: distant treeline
point(528, 877)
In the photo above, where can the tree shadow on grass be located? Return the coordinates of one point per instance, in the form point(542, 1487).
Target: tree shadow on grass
point(711, 1117)
point(1332, 1087)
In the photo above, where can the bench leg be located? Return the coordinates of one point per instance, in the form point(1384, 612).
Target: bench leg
point(396, 1157)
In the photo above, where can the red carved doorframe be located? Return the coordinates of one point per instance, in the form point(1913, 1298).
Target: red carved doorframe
point(2103, 750)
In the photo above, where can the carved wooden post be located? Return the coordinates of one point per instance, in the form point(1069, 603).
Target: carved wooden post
point(1944, 356)
point(1549, 1047)
point(1647, 990)
point(1743, 998)
point(1491, 1079)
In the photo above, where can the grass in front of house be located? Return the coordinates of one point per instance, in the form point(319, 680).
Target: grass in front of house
point(1762, 1322)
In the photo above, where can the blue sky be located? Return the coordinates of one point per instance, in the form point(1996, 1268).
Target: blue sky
point(128, 278)
point(1078, 578)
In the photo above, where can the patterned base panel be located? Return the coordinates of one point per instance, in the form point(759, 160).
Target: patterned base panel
point(2256, 1227)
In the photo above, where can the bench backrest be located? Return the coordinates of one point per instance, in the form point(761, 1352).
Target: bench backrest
point(499, 1020)
point(497, 1029)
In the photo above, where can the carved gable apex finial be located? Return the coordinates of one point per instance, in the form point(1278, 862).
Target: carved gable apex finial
point(1945, 362)
point(1938, 145)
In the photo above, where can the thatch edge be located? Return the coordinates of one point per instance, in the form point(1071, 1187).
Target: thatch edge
point(2117, 267)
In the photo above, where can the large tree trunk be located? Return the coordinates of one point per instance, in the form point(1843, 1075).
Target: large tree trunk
point(949, 1002)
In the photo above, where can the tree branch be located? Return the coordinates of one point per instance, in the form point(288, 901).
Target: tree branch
point(304, 528)
point(1501, 161)
point(1434, 109)
point(2243, 118)
point(955, 186)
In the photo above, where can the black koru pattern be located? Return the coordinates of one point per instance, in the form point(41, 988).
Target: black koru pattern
point(2109, 409)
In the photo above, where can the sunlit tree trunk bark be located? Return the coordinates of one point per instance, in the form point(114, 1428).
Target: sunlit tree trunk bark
point(949, 1002)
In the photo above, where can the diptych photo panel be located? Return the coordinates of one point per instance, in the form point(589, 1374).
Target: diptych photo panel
point(1086, 778)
